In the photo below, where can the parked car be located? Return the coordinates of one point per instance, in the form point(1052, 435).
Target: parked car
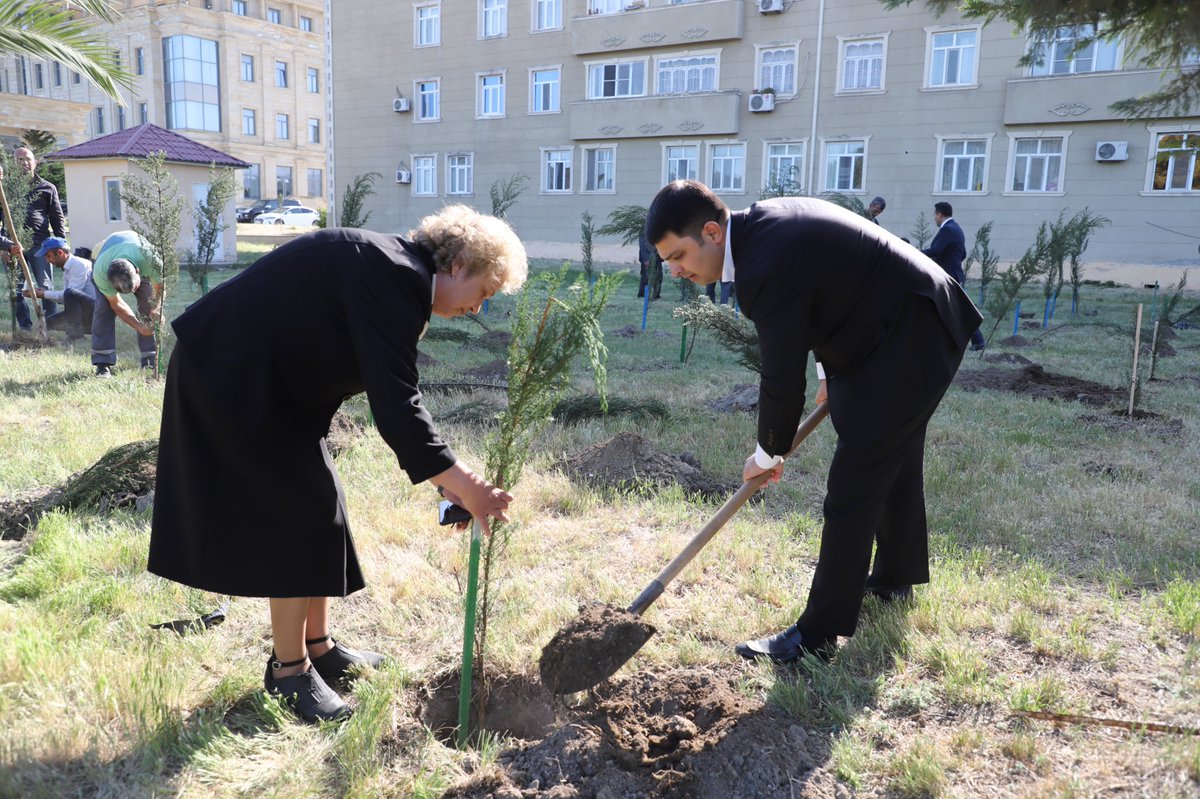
point(298, 215)
point(250, 213)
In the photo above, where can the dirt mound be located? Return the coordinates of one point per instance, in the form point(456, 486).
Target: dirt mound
point(1008, 357)
point(1034, 381)
point(426, 360)
point(1119, 421)
point(496, 340)
point(628, 459)
point(343, 429)
point(1016, 342)
point(682, 733)
point(629, 331)
point(493, 370)
point(742, 399)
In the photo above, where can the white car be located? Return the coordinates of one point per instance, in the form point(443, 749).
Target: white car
point(298, 215)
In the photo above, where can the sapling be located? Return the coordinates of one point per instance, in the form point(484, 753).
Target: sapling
point(155, 207)
point(1083, 224)
point(587, 233)
point(209, 214)
point(732, 330)
point(982, 254)
point(782, 183)
point(1028, 267)
point(505, 192)
point(356, 194)
point(17, 183)
point(921, 232)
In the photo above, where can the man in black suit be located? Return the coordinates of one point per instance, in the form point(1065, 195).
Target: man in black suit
point(888, 329)
point(949, 249)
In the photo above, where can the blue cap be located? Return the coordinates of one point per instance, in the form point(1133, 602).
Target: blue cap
point(52, 243)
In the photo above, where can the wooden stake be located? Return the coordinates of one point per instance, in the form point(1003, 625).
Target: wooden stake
point(1137, 726)
point(1153, 351)
point(43, 334)
point(1137, 345)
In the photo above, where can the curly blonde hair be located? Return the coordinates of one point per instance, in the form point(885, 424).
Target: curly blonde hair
point(482, 244)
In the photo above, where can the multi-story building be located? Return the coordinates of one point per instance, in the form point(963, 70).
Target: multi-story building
point(242, 76)
point(600, 102)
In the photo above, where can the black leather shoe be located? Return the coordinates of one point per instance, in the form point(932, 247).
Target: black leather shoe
point(787, 646)
point(336, 664)
point(307, 693)
point(887, 594)
point(104, 370)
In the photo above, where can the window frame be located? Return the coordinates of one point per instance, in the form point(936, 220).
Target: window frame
point(481, 30)
point(250, 115)
point(286, 123)
point(1156, 132)
point(437, 25)
point(254, 170)
point(938, 30)
point(418, 119)
point(585, 151)
point(801, 173)
point(715, 54)
point(709, 148)
point(543, 162)
point(866, 160)
point(108, 198)
point(669, 145)
point(306, 26)
point(308, 176)
point(413, 159)
point(843, 42)
point(616, 62)
point(314, 127)
point(291, 181)
point(1011, 167)
point(239, 8)
point(481, 93)
point(533, 87)
point(275, 16)
point(939, 169)
point(312, 80)
point(247, 63)
point(139, 61)
point(1118, 54)
point(281, 74)
point(759, 49)
point(534, 7)
point(470, 173)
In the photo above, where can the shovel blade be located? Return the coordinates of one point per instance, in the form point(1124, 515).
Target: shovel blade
point(592, 648)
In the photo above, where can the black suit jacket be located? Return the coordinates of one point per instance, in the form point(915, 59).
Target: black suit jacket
point(948, 249)
point(813, 276)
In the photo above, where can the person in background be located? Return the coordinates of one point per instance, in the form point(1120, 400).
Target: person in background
point(44, 217)
point(949, 249)
point(875, 208)
point(125, 264)
point(651, 275)
point(78, 296)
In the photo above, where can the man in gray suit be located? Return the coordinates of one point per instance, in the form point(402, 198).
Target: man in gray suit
point(888, 329)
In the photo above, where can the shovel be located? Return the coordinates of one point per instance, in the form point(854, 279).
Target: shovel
point(597, 643)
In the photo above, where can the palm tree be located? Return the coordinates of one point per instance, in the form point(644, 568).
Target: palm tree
point(57, 31)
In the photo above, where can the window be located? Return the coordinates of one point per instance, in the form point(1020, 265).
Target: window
point(314, 130)
point(57, 74)
point(953, 56)
point(544, 91)
point(424, 175)
point(777, 69)
point(1055, 51)
point(251, 188)
point(112, 199)
point(604, 6)
point(281, 126)
point(727, 167)
point(963, 165)
point(139, 60)
point(491, 95)
point(283, 181)
point(281, 74)
point(599, 168)
point(239, 7)
point(556, 170)
point(143, 113)
point(1037, 164)
point(314, 81)
point(862, 64)
point(687, 75)
point(314, 182)
point(39, 76)
point(620, 79)
point(249, 127)
point(427, 100)
point(306, 26)
point(681, 162)
point(193, 88)
point(120, 117)
point(460, 173)
point(248, 68)
point(274, 15)
point(75, 78)
point(493, 18)
point(784, 167)
point(99, 120)
point(429, 25)
point(547, 15)
point(1176, 168)
point(845, 164)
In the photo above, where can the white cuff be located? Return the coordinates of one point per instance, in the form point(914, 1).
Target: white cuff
point(820, 371)
point(764, 460)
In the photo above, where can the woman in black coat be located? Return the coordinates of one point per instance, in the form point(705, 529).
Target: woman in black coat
point(248, 501)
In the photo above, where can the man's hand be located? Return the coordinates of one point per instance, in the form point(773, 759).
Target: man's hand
point(144, 328)
point(31, 293)
point(752, 470)
point(822, 393)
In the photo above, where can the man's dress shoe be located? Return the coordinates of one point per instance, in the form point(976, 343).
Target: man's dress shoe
point(786, 646)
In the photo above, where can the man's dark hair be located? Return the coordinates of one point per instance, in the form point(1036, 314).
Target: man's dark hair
point(121, 274)
point(84, 252)
point(944, 208)
point(682, 207)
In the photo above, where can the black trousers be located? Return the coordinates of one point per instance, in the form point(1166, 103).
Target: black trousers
point(875, 492)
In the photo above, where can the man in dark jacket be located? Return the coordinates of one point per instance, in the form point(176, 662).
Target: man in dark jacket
point(949, 249)
point(44, 217)
point(888, 329)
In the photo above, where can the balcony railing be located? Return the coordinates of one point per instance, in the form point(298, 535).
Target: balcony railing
point(662, 116)
point(654, 25)
point(1084, 97)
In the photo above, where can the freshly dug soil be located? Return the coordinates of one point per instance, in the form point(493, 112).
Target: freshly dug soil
point(1034, 381)
point(591, 648)
point(496, 340)
point(1142, 421)
point(343, 429)
point(515, 704)
point(1008, 357)
point(742, 399)
point(680, 733)
point(629, 331)
point(1015, 342)
point(628, 460)
point(494, 370)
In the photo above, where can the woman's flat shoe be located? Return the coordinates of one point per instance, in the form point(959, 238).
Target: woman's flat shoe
point(336, 664)
point(308, 694)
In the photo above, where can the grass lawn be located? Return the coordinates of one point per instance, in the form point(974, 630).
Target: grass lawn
point(1065, 578)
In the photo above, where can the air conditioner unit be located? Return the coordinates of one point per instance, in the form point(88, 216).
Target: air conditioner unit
point(400, 105)
point(759, 103)
point(208, 4)
point(770, 6)
point(1112, 151)
point(403, 176)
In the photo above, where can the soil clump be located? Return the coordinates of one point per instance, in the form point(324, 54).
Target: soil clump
point(591, 648)
point(1016, 342)
point(1034, 381)
point(493, 370)
point(742, 399)
point(628, 460)
point(343, 430)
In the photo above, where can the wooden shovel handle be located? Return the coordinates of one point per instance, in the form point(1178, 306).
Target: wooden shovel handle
point(723, 514)
point(37, 306)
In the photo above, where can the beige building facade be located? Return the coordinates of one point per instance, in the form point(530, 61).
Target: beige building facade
point(600, 102)
point(246, 77)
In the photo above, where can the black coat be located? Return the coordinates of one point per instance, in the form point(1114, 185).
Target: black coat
point(44, 215)
point(949, 249)
point(813, 276)
point(247, 501)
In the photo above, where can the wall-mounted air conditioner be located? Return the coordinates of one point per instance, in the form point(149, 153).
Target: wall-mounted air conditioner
point(758, 103)
point(403, 176)
point(770, 6)
point(400, 105)
point(1112, 151)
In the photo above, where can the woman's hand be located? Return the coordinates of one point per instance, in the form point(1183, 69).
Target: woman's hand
point(483, 500)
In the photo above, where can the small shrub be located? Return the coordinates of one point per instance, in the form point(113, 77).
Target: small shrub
point(1181, 601)
point(919, 772)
